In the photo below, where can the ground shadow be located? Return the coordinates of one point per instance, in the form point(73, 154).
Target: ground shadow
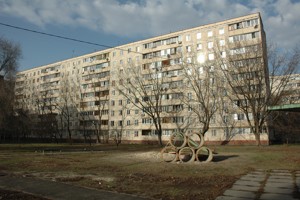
point(219, 158)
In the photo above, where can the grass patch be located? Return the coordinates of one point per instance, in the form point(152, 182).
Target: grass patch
point(137, 169)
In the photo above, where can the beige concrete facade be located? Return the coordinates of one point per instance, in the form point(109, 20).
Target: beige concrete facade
point(88, 83)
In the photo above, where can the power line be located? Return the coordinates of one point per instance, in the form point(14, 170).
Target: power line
point(64, 37)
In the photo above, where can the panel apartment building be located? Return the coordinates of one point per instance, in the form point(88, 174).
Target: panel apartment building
point(83, 93)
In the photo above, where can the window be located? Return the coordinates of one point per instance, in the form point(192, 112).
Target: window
point(244, 24)
point(239, 116)
point(177, 119)
point(190, 96)
point(112, 113)
point(199, 46)
point(136, 112)
point(201, 58)
point(136, 133)
point(221, 31)
point(137, 49)
point(114, 54)
point(244, 37)
point(128, 122)
point(147, 121)
point(127, 133)
point(188, 48)
point(128, 112)
point(120, 102)
point(188, 38)
point(222, 43)
point(214, 132)
point(120, 112)
point(211, 56)
point(209, 34)
point(200, 70)
point(210, 45)
point(112, 102)
point(120, 123)
point(198, 36)
point(223, 54)
point(136, 122)
point(112, 123)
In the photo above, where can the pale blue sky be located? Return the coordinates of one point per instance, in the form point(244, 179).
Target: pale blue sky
point(115, 22)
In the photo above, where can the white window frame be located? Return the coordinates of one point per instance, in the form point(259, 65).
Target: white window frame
point(199, 46)
point(211, 56)
point(221, 31)
point(222, 43)
point(210, 33)
point(198, 36)
point(188, 38)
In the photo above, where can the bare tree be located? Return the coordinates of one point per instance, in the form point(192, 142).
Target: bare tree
point(46, 106)
point(255, 79)
point(201, 92)
point(146, 88)
point(10, 53)
point(67, 105)
point(96, 86)
point(117, 130)
point(6, 107)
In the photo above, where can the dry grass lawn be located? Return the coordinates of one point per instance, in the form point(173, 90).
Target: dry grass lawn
point(138, 169)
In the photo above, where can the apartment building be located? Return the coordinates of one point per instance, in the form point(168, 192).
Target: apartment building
point(85, 98)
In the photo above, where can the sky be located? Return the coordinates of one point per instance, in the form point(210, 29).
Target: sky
point(116, 22)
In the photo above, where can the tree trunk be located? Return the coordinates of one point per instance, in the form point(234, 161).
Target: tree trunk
point(159, 138)
point(257, 139)
point(70, 135)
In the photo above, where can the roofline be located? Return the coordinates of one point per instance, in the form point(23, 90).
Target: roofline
point(151, 38)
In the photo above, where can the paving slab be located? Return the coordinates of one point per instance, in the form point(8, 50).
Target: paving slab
point(280, 180)
point(281, 174)
point(245, 188)
point(59, 191)
point(279, 185)
point(253, 178)
point(255, 173)
point(249, 183)
point(280, 170)
point(237, 193)
point(231, 198)
point(268, 196)
point(279, 190)
point(298, 182)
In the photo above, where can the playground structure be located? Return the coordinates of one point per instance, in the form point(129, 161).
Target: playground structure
point(186, 148)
